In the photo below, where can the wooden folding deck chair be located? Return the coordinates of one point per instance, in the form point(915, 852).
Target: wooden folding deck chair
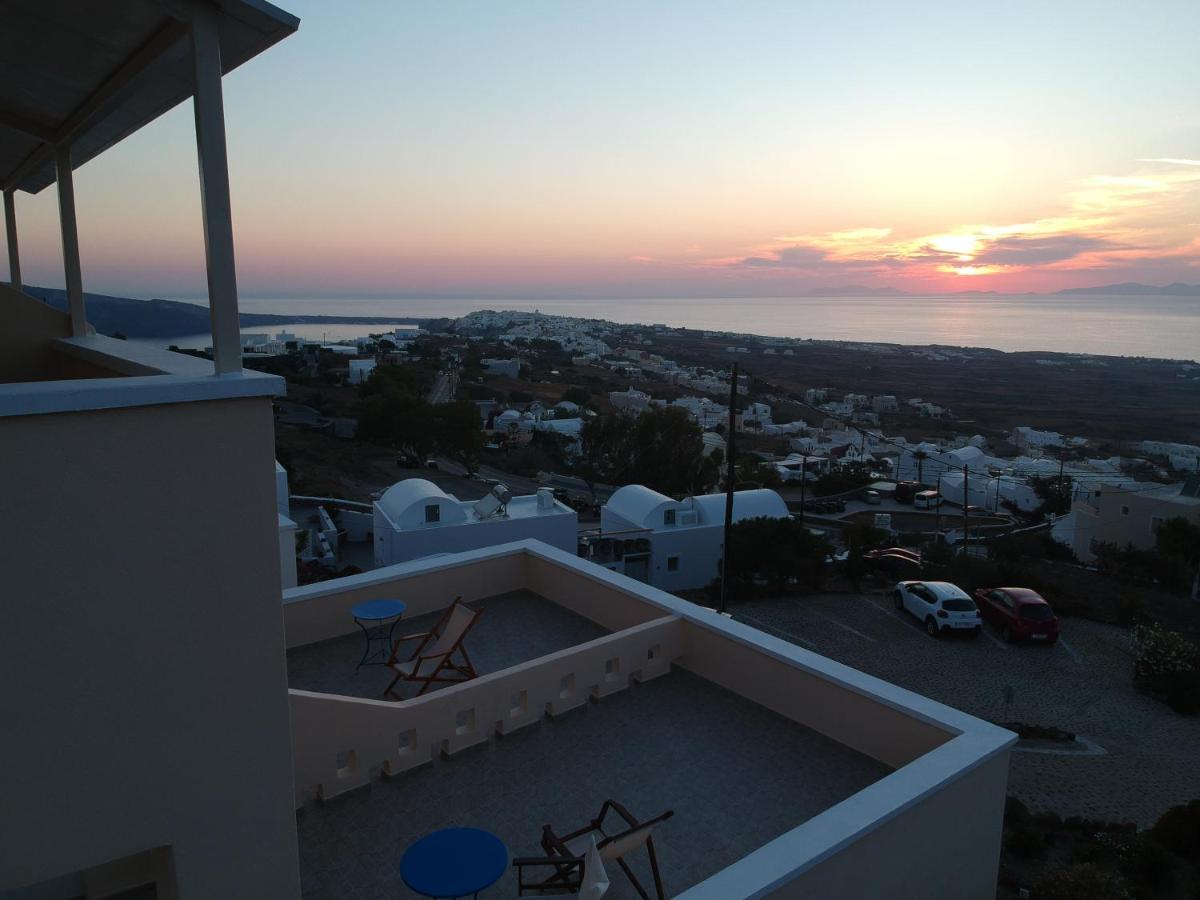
point(441, 656)
point(565, 854)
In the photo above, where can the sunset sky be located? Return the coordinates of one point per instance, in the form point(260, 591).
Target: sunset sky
point(655, 149)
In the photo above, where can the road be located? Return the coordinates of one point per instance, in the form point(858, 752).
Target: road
point(443, 388)
point(1140, 757)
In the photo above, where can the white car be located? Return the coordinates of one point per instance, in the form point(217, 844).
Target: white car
point(940, 605)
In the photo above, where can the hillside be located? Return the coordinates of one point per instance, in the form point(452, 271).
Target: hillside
point(172, 318)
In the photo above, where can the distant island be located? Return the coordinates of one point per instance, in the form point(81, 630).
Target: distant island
point(1133, 289)
point(172, 318)
point(1125, 289)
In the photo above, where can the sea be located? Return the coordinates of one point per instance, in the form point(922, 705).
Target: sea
point(1155, 326)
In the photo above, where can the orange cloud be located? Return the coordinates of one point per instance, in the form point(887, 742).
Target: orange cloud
point(1107, 221)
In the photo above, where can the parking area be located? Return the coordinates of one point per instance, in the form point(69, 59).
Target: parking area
point(1138, 757)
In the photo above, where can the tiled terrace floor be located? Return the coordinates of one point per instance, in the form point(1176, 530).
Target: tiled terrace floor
point(514, 628)
point(736, 775)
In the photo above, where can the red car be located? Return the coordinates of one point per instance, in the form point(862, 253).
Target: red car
point(1021, 614)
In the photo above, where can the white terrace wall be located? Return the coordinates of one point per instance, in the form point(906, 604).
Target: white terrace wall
point(851, 717)
point(338, 742)
point(946, 844)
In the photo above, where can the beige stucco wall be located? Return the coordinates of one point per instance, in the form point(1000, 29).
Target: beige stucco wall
point(28, 328)
point(363, 735)
point(945, 845)
point(855, 719)
point(145, 694)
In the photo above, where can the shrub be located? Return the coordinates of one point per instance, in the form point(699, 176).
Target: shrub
point(1168, 664)
point(1082, 881)
point(1147, 863)
point(1026, 842)
point(1179, 829)
point(1161, 652)
point(1015, 812)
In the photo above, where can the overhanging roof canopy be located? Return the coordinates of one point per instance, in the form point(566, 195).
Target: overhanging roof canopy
point(91, 73)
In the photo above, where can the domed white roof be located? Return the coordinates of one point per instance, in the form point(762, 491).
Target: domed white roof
point(403, 494)
point(758, 503)
point(637, 504)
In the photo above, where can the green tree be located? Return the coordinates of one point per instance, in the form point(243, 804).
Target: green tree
point(456, 432)
point(661, 448)
point(398, 420)
point(780, 550)
point(757, 473)
point(577, 395)
point(1179, 539)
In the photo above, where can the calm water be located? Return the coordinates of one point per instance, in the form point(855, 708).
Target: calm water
point(1118, 326)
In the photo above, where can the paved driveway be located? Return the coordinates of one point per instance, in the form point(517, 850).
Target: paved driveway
point(1146, 758)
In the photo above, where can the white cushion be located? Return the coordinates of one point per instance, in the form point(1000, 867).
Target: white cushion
point(595, 879)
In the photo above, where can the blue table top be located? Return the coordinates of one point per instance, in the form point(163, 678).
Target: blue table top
point(454, 862)
point(379, 609)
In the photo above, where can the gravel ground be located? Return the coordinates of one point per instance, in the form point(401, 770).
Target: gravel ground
point(1145, 757)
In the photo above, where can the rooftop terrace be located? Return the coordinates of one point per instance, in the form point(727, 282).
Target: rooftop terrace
point(749, 775)
point(514, 628)
point(789, 774)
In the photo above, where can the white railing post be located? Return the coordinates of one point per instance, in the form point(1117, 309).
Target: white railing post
point(70, 239)
point(10, 227)
point(214, 192)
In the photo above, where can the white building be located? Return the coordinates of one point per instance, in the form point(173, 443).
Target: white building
point(1026, 438)
point(705, 412)
point(673, 544)
point(632, 400)
point(882, 403)
point(360, 370)
point(415, 518)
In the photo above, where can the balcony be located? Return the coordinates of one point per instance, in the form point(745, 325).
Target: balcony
point(45, 370)
point(789, 774)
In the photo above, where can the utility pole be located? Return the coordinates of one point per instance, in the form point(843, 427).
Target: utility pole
point(803, 478)
point(729, 478)
point(939, 511)
point(1062, 462)
point(966, 515)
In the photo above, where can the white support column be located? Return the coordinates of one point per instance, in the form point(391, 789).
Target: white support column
point(10, 226)
point(70, 239)
point(214, 192)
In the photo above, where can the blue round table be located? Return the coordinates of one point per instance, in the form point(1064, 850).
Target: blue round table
point(454, 862)
point(372, 617)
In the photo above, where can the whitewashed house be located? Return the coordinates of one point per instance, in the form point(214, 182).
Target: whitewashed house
point(1026, 438)
point(632, 401)
point(360, 370)
point(672, 544)
point(415, 518)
